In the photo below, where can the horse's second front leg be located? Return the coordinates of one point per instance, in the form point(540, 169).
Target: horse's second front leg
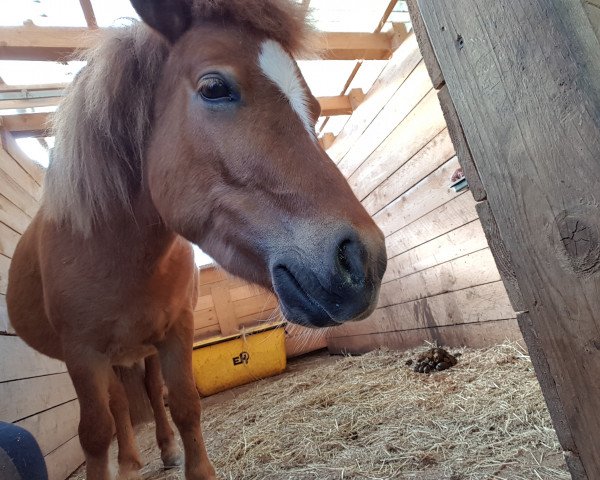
point(176, 361)
point(90, 373)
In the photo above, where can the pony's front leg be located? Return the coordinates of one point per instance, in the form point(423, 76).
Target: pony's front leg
point(129, 458)
point(169, 453)
point(90, 373)
point(176, 360)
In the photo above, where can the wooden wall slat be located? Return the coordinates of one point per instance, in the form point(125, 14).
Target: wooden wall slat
point(19, 360)
point(416, 131)
point(65, 460)
point(4, 266)
point(33, 169)
point(12, 216)
point(456, 243)
point(475, 335)
point(398, 107)
point(421, 164)
point(23, 398)
point(8, 240)
point(12, 168)
point(453, 214)
point(53, 427)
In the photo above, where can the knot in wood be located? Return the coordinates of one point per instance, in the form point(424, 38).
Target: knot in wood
point(579, 238)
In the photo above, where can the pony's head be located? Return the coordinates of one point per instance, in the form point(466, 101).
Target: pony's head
point(231, 160)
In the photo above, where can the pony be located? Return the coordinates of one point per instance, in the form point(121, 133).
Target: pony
point(194, 125)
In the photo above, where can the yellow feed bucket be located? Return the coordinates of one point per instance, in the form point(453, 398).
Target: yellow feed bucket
point(221, 363)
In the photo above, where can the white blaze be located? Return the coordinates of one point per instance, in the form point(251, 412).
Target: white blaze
point(280, 68)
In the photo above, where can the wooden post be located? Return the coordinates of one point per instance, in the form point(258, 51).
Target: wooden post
point(524, 77)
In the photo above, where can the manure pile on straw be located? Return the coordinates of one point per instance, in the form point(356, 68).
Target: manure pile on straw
point(373, 417)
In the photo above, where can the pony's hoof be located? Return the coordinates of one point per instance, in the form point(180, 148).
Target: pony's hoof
point(172, 459)
point(130, 470)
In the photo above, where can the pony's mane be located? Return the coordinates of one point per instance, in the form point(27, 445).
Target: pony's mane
point(104, 122)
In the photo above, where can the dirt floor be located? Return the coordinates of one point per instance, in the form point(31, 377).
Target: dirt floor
point(372, 417)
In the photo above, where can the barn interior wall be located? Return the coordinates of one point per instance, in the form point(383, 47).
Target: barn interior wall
point(35, 391)
point(441, 282)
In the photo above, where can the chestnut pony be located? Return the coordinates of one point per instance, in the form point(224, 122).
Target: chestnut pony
point(195, 126)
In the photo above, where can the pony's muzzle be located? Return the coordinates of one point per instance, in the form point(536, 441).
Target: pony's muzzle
point(331, 285)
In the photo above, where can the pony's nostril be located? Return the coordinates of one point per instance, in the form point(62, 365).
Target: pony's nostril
point(350, 255)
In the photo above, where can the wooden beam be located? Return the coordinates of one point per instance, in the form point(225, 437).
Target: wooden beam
point(36, 124)
point(61, 43)
point(32, 88)
point(88, 13)
point(524, 76)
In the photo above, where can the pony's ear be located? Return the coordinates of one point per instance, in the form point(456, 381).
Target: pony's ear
point(171, 18)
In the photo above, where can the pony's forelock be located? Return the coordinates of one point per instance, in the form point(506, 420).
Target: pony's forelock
point(104, 122)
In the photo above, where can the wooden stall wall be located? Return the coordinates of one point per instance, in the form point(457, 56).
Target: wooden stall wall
point(441, 282)
point(226, 305)
point(35, 391)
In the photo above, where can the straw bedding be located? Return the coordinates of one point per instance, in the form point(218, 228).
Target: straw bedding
point(372, 417)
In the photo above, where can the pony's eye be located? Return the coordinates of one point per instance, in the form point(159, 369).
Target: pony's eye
point(214, 88)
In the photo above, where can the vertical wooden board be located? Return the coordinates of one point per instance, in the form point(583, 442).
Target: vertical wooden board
point(13, 216)
point(501, 254)
point(435, 73)
point(525, 80)
point(400, 105)
point(463, 152)
point(456, 243)
point(63, 461)
point(19, 360)
point(470, 270)
point(399, 67)
point(475, 335)
point(53, 427)
point(5, 326)
point(425, 196)
point(224, 308)
point(458, 211)
point(22, 398)
point(4, 266)
point(417, 129)
point(420, 165)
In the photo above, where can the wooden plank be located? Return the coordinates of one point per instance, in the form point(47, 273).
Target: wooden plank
point(459, 211)
point(456, 243)
point(304, 343)
point(425, 161)
point(207, 332)
point(501, 254)
point(424, 197)
point(224, 308)
point(205, 318)
point(32, 87)
point(19, 197)
point(53, 427)
point(22, 103)
point(476, 268)
point(204, 302)
point(256, 304)
point(61, 43)
point(4, 266)
point(246, 291)
point(262, 316)
point(20, 361)
point(65, 460)
point(433, 67)
point(8, 240)
point(10, 166)
point(525, 81)
point(22, 398)
point(28, 125)
point(475, 304)
point(414, 88)
point(336, 105)
point(34, 169)
point(410, 136)
point(402, 63)
point(13, 216)
point(475, 335)
point(88, 13)
point(211, 275)
point(460, 144)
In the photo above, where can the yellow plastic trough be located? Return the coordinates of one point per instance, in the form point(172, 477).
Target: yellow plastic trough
point(221, 363)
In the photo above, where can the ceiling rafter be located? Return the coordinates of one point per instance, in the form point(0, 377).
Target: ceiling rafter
point(88, 13)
